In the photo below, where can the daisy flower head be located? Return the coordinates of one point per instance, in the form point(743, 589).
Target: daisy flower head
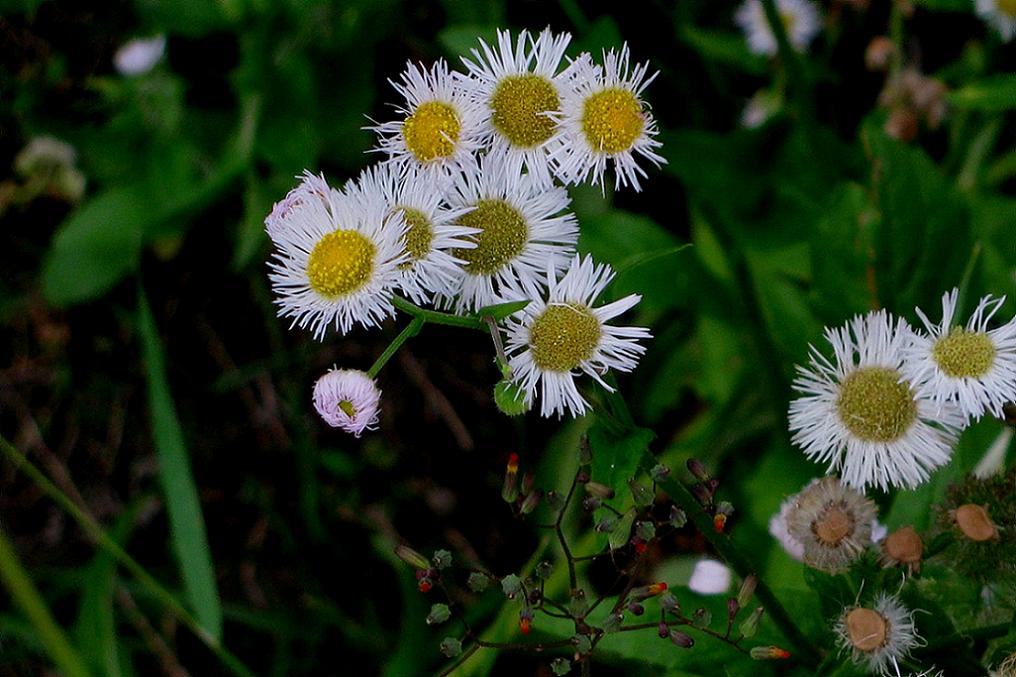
point(878, 635)
point(551, 341)
point(1001, 14)
point(832, 524)
point(971, 367)
point(347, 399)
point(518, 85)
point(860, 414)
point(604, 118)
point(439, 127)
point(801, 21)
point(335, 263)
point(311, 196)
point(415, 197)
point(521, 226)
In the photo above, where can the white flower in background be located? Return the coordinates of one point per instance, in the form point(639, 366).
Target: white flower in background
point(1001, 14)
point(551, 341)
point(860, 415)
point(993, 461)
point(439, 127)
point(518, 86)
point(778, 530)
point(603, 118)
point(829, 524)
point(431, 231)
point(971, 367)
point(522, 227)
point(336, 262)
point(762, 106)
point(709, 577)
point(347, 399)
point(140, 55)
point(801, 21)
point(312, 190)
point(879, 635)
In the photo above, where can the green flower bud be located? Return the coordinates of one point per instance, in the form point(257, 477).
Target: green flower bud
point(442, 559)
point(511, 585)
point(451, 647)
point(439, 613)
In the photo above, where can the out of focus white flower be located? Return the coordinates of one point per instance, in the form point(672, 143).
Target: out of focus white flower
point(140, 55)
point(1001, 14)
point(709, 577)
point(801, 21)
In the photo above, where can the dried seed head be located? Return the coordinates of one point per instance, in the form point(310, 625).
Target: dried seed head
point(903, 546)
point(867, 629)
point(974, 523)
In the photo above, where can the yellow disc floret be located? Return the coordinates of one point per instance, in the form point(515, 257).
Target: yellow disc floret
point(964, 354)
point(612, 120)
point(502, 237)
point(564, 336)
point(432, 131)
point(419, 235)
point(875, 406)
point(340, 263)
point(519, 106)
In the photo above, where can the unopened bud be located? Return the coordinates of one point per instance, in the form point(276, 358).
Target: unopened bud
point(543, 570)
point(478, 582)
point(411, 557)
point(879, 53)
point(750, 625)
point(511, 585)
point(902, 124)
point(697, 470)
point(510, 488)
point(439, 613)
point(582, 644)
point(560, 666)
point(510, 398)
point(768, 653)
point(645, 530)
point(681, 639)
point(636, 608)
point(577, 604)
point(677, 517)
point(600, 491)
point(585, 453)
point(747, 590)
point(531, 501)
point(663, 630)
point(669, 603)
point(701, 618)
point(647, 591)
point(582, 477)
point(732, 608)
point(442, 559)
point(659, 472)
point(527, 483)
point(974, 523)
point(591, 503)
point(612, 623)
point(525, 619)
point(606, 524)
point(702, 494)
point(534, 597)
point(642, 494)
point(425, 585)
point(451, 647)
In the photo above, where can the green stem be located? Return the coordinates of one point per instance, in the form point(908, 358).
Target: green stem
point(435, 317)
point(790, 58)
point(411, 330)
point(28, 598)
point(96, 533)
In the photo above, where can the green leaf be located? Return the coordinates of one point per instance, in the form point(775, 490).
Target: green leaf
point(97, 246)
point(727, 48)
point(187, 526)
point(499, 311)
point(616, 455)
point(996, 93)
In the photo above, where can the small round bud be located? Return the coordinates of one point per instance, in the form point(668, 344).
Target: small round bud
point(511, 585)
point(768, 653)
point(525, 619)
point(510, 398)
point(681, 639)
point(411, 557)
point(879, 53)
point(425, 585)
point(442, 559)
point(645, 530)
point(478, 582)
point(543, 570)
point(612, 623)
point(607, 523)
point(577, 604)
point(701, 618)
point(582, 644)
point(643, 496)
point(636, 608)
point(534, 597)
point(659, 472)
point(591, 503)
point(867, 629)
point(697, 470)
point(663, 630)
point(974, 523)
point(600, 491)
point(677, 518)
point(451, 647)
point(669, 603)
point(560, 666)
point(439, 613)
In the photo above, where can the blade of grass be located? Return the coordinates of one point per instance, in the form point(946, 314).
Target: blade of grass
point(21, 589)
point(103, 540)
point(187, 525)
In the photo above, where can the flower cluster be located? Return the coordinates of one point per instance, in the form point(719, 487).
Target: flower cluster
point(469, 209)
point(887, 410)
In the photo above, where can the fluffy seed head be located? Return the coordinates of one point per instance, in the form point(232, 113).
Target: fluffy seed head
point(831, 522)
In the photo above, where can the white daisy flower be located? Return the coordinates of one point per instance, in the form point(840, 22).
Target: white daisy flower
point(878, 636)
point(832, 523)
point(139, 55)
point(312, 189)
point(550, 341)
point(861, 415)
point(801, 21)
point(440, 126)
point(336, 262)
point(1001, 14)
point(348, 399)
point(522, 227)
point(603, 117)
point(519, 86)
point(431, 231)
point(971, 367)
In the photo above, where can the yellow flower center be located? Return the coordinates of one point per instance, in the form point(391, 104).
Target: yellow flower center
point(340, 263)
point(347, 408)
point(502, 237)
point(612, 120)
point(419, 235)
point(867, 629)
point(874, 405)
point(432, 131)
point(563, 337)
point(834, 525)
point(1007, 7)
point(963, 353)
point(519, 106)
